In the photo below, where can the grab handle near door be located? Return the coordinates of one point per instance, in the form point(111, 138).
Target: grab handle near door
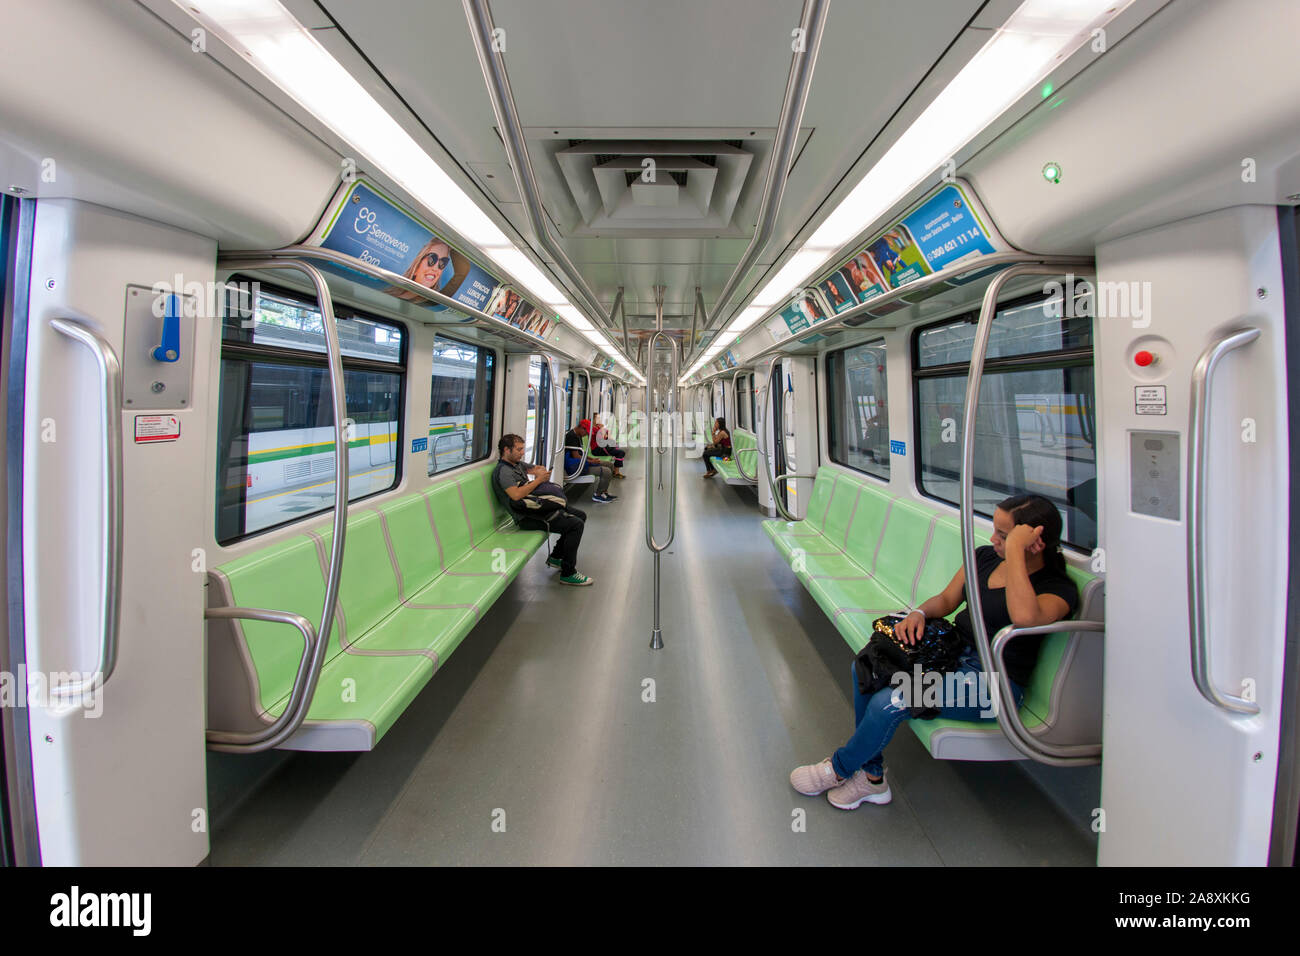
point(110, 449)
point(1198, 434)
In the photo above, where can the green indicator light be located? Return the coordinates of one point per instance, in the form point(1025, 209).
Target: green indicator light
point(1052, 172)
point(1047, 89)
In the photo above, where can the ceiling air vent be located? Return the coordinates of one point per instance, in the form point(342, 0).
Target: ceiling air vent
point(655, 187)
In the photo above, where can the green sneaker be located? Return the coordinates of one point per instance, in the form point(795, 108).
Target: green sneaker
point(553, 563)
point(577, 578)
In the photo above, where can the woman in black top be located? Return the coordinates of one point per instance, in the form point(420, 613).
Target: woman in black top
point(1022, 581)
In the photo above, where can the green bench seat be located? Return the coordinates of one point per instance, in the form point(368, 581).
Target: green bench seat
point(418, 573)
point(742, 442)
point(862, 553)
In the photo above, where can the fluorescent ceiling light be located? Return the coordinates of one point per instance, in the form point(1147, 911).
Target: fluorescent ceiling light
point(287, 54)
point(1019, 55)
point(573, 317)
point(522, 268)
point(746, 319)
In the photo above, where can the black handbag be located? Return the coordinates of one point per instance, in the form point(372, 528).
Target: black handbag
point(939, 649)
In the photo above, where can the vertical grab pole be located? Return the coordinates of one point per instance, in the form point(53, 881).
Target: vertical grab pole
point(656, 637)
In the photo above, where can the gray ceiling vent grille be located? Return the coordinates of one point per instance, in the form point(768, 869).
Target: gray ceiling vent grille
point(655, 187)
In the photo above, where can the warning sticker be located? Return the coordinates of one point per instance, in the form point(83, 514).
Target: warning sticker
point(150, 428)
point(1150, 400)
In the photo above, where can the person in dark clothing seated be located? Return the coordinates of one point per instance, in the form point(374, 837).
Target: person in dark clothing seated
point(522, 489)
point(573, 454)
point(598, 432)
point(1022, 581)
point(720, 448)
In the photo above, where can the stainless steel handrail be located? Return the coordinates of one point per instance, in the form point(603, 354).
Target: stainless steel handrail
point(1008, 721)
point(236, 260)
point(656, 637)
point(689, 349)
point(1198, 440)
point(553, 442)
point(586, 445)
point(110, 449)
point(811, 24)
point(616, 307)
point(736, 452)
point(1072, 754)
point(482, 31)
point(764, 458)
point(281, 731)
point(233, 742)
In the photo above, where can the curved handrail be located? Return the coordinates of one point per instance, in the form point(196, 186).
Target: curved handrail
point(763, 455)
point(1031, 748)
point(1198, 436)
point(232, 742)
point(281, 731)
point(735, 456)
point(650, 541)
point(110, 448)
point(1073, 754)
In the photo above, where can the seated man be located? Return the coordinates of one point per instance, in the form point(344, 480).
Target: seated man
point(573, 455)
point(599, 432)
point(514, 482)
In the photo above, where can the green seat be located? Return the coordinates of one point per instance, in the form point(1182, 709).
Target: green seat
point(418, 573)
point(742, 442)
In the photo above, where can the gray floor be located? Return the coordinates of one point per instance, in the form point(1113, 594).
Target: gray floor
point(534, 746)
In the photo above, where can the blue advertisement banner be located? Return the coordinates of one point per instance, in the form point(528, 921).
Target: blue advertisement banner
point(946, 229)
point(369, 227)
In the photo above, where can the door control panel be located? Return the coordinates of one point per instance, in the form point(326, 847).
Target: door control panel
point(157, 349)
point(1154, 474)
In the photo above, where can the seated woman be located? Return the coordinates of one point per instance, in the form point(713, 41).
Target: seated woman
point(720, 448)
point(1022, 581)
point(598, 431)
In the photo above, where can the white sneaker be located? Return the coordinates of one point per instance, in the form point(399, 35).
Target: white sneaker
point(858, 790)
point(815, 778)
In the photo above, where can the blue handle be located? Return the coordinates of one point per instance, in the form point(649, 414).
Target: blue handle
point(170, 349)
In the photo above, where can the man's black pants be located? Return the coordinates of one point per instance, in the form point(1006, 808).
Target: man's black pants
point(568, 524)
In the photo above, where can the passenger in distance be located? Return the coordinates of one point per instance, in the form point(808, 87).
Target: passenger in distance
point(1022, 581)
point(573, 455)
point(720, 447)
point(599, 433)
point(514, 482)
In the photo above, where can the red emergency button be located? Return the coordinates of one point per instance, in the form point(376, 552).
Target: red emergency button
point(1144, 358)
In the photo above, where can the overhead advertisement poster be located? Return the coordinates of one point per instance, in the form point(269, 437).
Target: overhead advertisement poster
point(363, 223)
point(945, 229)
point(509, 306)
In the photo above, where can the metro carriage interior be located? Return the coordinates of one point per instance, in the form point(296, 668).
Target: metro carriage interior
point(917, 267)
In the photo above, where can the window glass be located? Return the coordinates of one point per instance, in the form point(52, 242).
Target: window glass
point(1036, 428)
point(1021, 330)
point(460, 404)
point(858, 408)
point(276, 452)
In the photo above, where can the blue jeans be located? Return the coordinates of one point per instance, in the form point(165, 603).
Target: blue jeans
point(879, 714)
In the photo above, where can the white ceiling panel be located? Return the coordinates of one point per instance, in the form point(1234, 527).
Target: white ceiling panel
point(629, 69)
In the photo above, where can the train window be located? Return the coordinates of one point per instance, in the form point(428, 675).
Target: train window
point(275, 452)
point(1036, 428)
point(858, 412)
point(460, 404)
